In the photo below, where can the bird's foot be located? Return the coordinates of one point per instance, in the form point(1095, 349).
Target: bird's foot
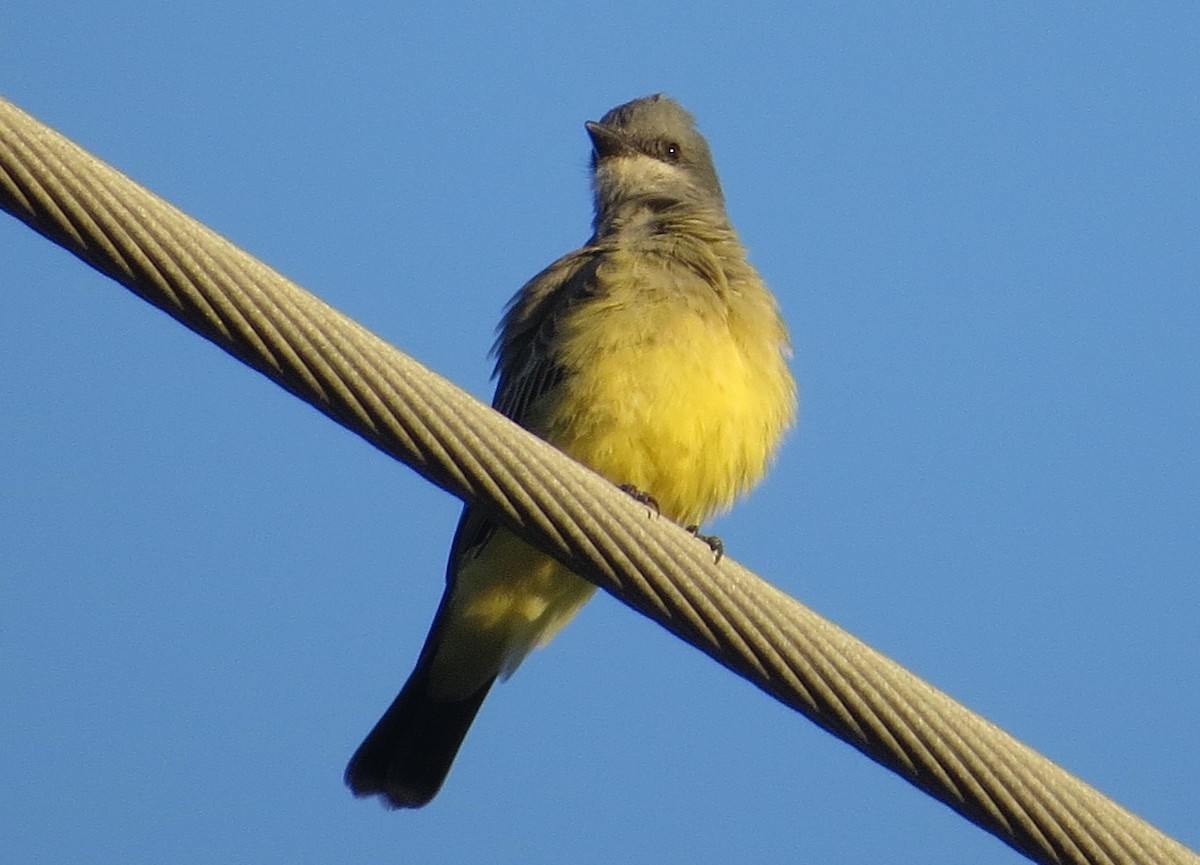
point(642, 497)
point(714, 543)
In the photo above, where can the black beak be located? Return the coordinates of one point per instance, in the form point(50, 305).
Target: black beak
point(605, 141)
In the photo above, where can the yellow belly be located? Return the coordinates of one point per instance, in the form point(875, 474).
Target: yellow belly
point(681, 395)
point(684, 403)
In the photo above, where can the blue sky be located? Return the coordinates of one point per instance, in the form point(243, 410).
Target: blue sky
point(982, 224)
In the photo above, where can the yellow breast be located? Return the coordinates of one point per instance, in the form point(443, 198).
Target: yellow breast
point(674, 388)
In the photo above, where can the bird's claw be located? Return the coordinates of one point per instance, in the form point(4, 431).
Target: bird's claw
point(641, 497)
point(714, 543)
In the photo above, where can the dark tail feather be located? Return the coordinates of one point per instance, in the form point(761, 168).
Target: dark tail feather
point(406, 757)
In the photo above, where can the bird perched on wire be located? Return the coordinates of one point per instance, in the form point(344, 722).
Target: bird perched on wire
point(656, 356)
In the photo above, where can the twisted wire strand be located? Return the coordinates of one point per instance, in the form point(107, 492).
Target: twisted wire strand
point(337, 366)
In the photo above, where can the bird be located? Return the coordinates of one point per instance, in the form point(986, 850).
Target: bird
point(656, 356)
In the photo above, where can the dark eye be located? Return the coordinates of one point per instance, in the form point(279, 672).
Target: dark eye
point(671, 151)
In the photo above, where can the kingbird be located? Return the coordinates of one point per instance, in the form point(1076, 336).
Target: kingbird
point(654, 355)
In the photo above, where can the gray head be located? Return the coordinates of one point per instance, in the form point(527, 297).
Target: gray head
point(649, 149)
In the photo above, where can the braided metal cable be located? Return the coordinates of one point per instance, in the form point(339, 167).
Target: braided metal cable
point(652, 565)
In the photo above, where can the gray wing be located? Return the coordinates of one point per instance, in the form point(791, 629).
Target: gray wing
point(526, 367)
